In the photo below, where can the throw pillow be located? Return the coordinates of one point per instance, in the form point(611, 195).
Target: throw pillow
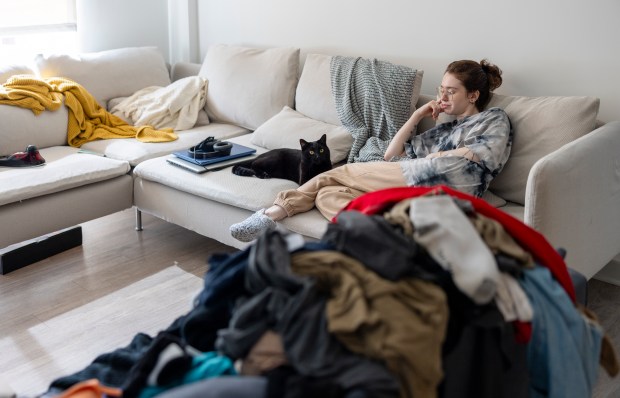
point(314, 96)
point(541, 125)
point(248, 86)
point(286, 128)
point(109, 74)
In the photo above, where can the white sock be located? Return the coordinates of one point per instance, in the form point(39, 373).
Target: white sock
point(252, 227)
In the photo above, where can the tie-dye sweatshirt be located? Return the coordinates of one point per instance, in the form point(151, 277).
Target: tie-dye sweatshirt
point(487, 134)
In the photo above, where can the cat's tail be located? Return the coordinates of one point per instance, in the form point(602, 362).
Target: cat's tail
point(242, 170)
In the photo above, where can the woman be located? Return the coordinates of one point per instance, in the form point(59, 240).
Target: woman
point(465, 154)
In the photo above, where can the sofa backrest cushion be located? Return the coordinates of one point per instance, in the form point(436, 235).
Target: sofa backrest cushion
point(7, 71)
point(286, 128)
point(248, 86)
point(541, 125)
point(109, 74)
point(314, 96)
point(20, 128)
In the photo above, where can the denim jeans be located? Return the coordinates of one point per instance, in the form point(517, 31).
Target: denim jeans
point(563, 353)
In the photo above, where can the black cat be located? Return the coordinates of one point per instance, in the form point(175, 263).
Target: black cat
point(297, 165)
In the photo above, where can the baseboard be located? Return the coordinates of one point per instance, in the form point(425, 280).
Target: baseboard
point(610, 273)
point(22, 254)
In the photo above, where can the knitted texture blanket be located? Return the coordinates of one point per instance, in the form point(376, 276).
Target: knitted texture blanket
point(88, 121)
point(373, 100)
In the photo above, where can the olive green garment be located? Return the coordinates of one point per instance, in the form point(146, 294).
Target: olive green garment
point(401, 323)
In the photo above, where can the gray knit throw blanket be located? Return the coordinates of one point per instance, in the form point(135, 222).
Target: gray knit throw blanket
point(373, 101)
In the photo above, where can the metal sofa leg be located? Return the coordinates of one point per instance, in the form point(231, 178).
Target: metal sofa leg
point(138, 220)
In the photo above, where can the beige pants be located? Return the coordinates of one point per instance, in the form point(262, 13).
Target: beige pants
point(334, 189)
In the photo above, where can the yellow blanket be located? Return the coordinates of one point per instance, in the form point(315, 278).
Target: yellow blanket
point(88, 121)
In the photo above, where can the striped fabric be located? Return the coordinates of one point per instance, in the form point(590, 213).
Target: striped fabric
point(373, 100)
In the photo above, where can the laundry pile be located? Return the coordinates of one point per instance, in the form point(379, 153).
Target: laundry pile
point(411, 292)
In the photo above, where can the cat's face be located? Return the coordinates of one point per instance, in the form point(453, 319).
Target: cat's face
point(315, 151)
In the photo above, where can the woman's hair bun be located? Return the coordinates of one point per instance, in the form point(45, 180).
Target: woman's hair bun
point(493, 72)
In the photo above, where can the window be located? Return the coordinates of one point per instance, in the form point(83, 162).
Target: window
point(30, 27)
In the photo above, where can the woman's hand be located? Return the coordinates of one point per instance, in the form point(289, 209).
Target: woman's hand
point(396, 147)
point(432, 108)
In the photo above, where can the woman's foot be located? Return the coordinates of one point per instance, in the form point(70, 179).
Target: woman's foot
point(251, 228)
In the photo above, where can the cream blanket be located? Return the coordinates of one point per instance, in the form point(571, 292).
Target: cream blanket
point(175, 106)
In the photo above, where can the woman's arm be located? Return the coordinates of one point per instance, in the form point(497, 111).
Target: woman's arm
point(396, 147)
point(464, 152)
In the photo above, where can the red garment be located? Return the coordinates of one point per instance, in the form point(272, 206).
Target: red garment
point(379, 201)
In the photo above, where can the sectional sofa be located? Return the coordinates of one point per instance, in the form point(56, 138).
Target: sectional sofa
point(562, 178)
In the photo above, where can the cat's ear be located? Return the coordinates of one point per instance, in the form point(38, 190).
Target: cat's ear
point(303, 142)
point(323, 139)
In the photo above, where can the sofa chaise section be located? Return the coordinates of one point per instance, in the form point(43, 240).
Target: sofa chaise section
point(80, 184)
point(70, 188)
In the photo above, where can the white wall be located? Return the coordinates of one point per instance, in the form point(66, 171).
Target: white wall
point(108, 24)
point(183, 30)
point(552, 47)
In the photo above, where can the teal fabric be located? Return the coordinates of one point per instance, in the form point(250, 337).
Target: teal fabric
point(204, 366)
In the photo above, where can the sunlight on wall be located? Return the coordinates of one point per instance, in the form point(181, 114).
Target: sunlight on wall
point(21, 49)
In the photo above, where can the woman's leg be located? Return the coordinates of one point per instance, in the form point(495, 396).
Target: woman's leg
point(331, 199)
point(354, 180)
point(329, 191)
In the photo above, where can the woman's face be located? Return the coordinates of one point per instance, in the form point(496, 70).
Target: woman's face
point(454, 98)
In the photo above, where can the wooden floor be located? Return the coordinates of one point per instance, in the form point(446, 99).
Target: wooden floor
point(58, 314)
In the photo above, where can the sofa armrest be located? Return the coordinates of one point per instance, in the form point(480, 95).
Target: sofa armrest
point(573, 198)
point(183, 69)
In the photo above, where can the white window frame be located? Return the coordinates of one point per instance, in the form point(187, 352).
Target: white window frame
point(19, 44)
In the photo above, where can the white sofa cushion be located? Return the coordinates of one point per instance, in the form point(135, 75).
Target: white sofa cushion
point(21, 127)
point(286, 128)
point(314, 96)
point(109, 74)
point(134, 151)
point(64, 169)
point(247, 86)
point(7, 71)
point(541, 125)
point(493, 199)
point(223, 186)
